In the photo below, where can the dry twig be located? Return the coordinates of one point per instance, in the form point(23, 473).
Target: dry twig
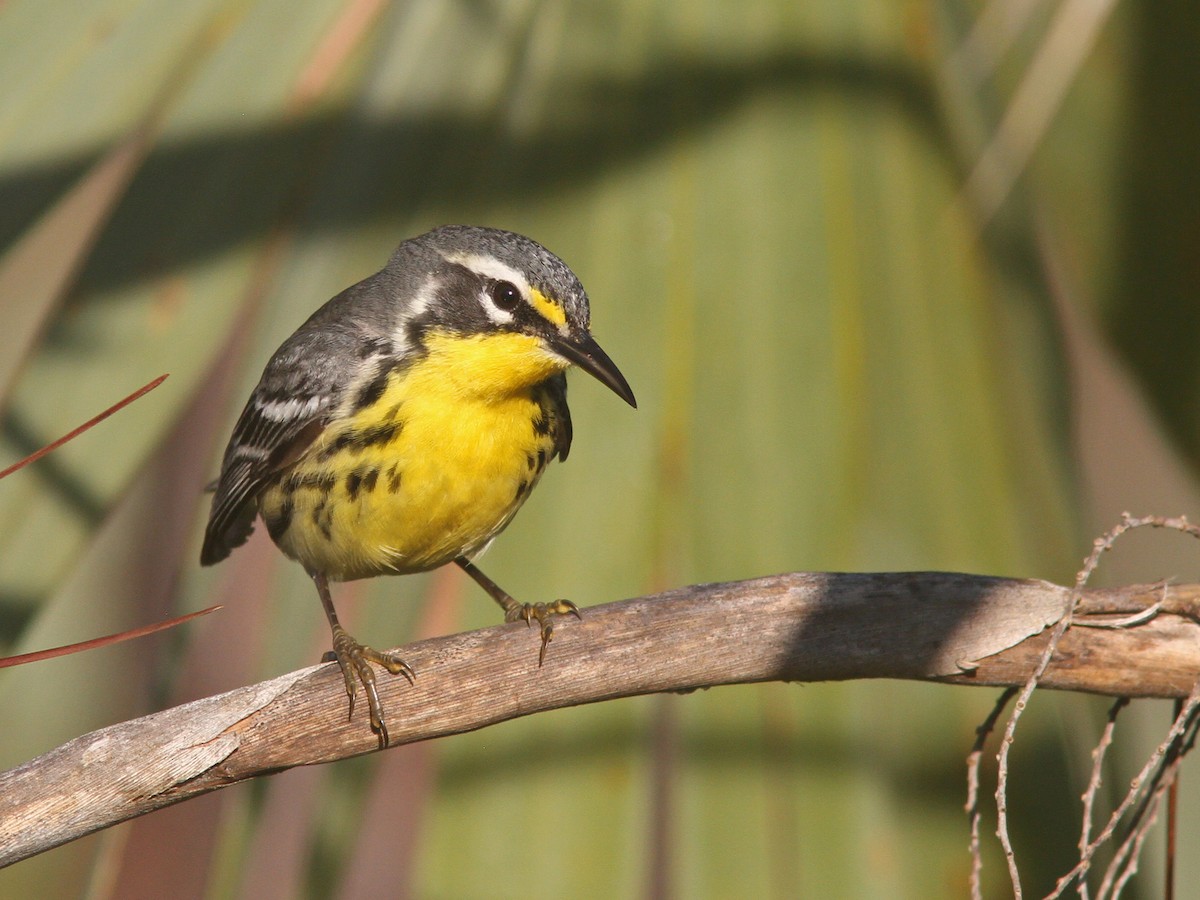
point(1159, 771)
point(1147, 782)
point(974, 759)
point(1093, 787)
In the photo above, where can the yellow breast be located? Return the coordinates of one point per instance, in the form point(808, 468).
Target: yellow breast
point(433, 469)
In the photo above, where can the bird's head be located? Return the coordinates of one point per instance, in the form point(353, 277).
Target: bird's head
point(515, 302)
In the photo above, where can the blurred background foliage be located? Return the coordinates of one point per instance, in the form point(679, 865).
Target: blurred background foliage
point(899, 285)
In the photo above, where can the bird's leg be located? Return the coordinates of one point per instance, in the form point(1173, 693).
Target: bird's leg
point(354, 659)
point(526, 612)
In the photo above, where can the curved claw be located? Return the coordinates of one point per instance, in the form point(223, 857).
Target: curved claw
point(354, 660)
point(543, 613)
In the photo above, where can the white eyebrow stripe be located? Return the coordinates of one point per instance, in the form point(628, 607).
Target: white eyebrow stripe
point(492, 268)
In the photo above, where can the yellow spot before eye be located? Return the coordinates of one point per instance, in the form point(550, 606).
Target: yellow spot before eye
point(551, 310)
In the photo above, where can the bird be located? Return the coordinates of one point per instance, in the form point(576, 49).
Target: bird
point(404, 424)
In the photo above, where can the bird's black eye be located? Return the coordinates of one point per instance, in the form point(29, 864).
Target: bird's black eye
point(505, 295)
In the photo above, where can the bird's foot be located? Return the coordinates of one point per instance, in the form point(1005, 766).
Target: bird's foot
point(543, 613)
point(354, 659)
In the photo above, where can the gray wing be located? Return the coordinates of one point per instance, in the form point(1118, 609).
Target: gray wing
point(330, 358)
point(284, 414)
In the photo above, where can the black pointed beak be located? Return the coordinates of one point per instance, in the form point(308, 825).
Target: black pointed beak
point(586, 353)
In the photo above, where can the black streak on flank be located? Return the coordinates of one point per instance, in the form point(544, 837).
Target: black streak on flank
point(357, 441)
point(337, 445)
point(360, 480)
point(371, 392)
point(380, 434)
point(393, 477)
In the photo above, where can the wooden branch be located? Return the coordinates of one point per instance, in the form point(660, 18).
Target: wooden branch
point(963, 629)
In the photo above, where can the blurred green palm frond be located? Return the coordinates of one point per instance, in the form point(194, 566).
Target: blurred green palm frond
point(839, 366)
